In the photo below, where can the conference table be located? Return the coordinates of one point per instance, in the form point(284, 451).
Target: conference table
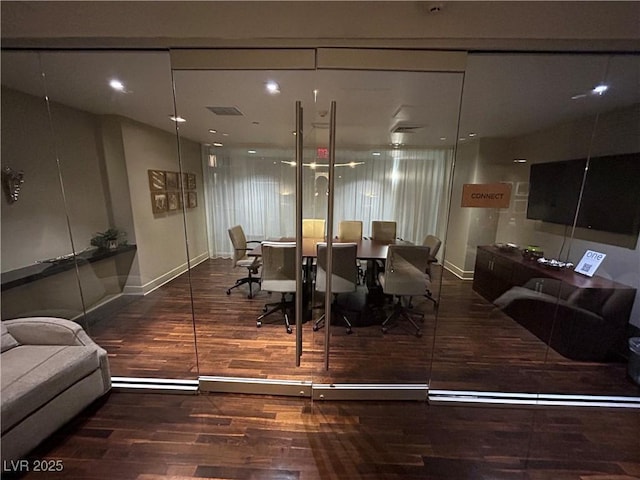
point(367, 249)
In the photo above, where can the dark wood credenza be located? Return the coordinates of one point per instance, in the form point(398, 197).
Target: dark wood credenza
point(496, 271)
point(580, 317)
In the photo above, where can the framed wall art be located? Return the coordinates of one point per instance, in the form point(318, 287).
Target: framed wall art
point(170, 191)
point(159, 202)
point(156, 180)
point(173, 201)
point(171, 180)
point(192, 200)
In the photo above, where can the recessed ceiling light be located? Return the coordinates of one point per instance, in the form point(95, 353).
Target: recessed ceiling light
point(217, 144)
point(600, 89)
point(519, 160)
point(462, 139)
point(472, 134)
point(272, 88)
point(443, 138)
point(376, 154)
point(177, 119)
point(211, 130)
point(117, 85)
point(225, 134)
point(295, 133)
point(251, 151)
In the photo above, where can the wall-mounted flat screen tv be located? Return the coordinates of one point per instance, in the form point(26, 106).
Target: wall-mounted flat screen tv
point(610, 200)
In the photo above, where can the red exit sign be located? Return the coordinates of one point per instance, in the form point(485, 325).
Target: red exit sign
point(322, 153)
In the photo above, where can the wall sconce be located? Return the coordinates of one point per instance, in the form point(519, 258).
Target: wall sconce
point(11, 182)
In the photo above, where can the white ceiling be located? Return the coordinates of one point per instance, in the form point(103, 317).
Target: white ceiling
point(504, 95)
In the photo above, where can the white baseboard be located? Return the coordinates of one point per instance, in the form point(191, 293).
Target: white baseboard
point(458, 272)
point(165, 278)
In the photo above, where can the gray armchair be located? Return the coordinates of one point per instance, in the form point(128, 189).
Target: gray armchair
point(279, 275)
point(344, 278)
point(404, 277)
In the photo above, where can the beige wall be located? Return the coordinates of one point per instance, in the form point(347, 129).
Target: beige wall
point(562, 25)
point(457, 250)
point(104, 162)
point(35, 227)
point(162, 252)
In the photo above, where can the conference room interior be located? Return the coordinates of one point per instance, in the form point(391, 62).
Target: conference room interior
point(406, 141)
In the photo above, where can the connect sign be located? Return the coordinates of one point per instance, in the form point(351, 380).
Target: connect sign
point(486, 195)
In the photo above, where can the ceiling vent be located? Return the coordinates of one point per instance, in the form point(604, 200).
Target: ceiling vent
point(406, 128)
point(227, 111)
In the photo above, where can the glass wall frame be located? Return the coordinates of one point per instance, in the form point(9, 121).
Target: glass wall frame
point(525, 328)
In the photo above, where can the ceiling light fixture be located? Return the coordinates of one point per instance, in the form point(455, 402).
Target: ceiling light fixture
point(376, 154)
point(472, 134)
point(350, 164)
point(519, 160)
point(217, 144)
point(211, 130)
point(272, 88)
point(599, 89)
point(251, 152)
point(443, 138)
point(177, 119)
point(117, 85)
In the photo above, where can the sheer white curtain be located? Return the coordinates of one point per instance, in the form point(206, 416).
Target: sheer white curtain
point(410, 187)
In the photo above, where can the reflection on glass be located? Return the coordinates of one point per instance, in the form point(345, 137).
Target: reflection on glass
point(38, 269)
point(529, 322)
point(126, 259)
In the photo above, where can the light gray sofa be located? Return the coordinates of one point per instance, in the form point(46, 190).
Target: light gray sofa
point(51, 370)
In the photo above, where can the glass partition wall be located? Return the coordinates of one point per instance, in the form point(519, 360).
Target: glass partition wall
point(96, 234)
point(122, 225)
point(35, 226)
point(557, 136)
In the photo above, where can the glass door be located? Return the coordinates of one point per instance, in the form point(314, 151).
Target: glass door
point(372, 143)
point(395, 137)
point(251, 125)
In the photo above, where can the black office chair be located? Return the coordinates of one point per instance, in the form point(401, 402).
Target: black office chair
point(404, 277)
point(241, 259)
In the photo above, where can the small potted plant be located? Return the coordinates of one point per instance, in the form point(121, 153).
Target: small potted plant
point(109, 239)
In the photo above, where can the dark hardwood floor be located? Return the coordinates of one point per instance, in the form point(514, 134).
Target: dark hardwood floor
point(138, 436)
point(469, 345)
